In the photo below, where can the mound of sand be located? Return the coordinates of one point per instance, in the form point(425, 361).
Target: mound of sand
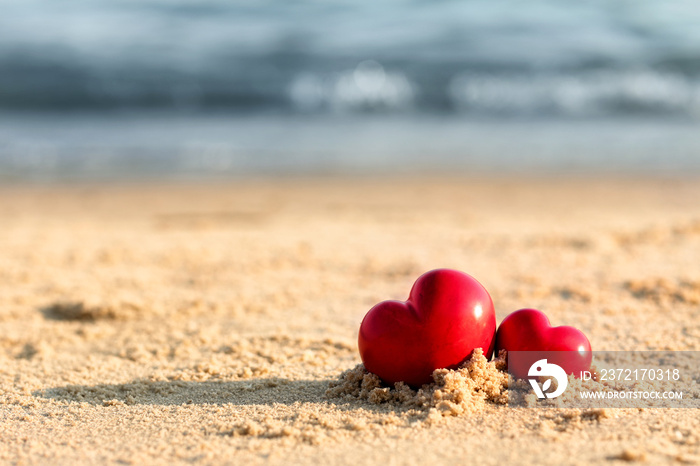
point(453, 392)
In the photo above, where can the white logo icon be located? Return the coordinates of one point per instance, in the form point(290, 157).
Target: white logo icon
point(543, 369)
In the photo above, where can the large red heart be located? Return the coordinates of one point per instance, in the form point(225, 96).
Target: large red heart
point(447, 315)
point(529, 330)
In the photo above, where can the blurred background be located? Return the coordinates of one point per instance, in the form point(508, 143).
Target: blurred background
point(198, 88)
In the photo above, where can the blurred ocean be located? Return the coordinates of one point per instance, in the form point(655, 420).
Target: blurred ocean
point(99, 88)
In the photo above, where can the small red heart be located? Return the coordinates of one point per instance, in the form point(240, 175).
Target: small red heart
point(530, 330)
point(447, 315)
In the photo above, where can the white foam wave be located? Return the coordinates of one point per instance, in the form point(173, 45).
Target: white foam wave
point(583, 94)
point(367, 87)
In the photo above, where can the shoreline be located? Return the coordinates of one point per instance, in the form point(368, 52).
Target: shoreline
point(209, 147)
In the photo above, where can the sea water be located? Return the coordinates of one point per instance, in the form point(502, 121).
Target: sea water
point(100, 88)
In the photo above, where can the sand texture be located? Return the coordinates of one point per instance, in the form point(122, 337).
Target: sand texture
point(217, 322)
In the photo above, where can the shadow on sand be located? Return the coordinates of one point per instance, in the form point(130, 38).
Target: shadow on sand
point(177, 392)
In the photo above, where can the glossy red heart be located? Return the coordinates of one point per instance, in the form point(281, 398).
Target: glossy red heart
point(530, 330)
point(447, 315)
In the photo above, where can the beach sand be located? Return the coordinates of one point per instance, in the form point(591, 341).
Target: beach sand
point(185, 322)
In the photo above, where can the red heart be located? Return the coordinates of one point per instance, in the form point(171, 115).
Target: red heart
point(447, 315)
point(530, 330)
